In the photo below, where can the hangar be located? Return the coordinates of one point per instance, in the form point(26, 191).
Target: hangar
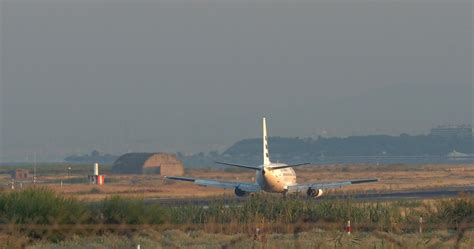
point(148, 163)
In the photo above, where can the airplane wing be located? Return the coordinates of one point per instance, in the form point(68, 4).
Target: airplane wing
point(245, 186)
point(327, 185)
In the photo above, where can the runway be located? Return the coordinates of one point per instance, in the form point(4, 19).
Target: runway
point(385, 196)
point(414, 194)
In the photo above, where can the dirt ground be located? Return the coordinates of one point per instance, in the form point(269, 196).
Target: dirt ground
point(391, 178)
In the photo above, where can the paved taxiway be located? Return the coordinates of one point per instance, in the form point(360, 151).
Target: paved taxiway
point(386, 196)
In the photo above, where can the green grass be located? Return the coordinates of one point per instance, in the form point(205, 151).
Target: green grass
point(40, 206)
point(40, 213)
point(118, 210)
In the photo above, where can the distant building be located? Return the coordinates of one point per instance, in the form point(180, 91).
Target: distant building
point(148, 163)
point(20, 174)
point(460, 131)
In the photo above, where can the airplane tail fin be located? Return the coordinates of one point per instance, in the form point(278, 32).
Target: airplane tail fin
point(266, 155)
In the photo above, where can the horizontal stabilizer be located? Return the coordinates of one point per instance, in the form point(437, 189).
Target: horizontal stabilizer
point(364, 181)
point(288, 166)
point(240, 166)
point(186, 179)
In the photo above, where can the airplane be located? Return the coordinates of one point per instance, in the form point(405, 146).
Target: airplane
point(271, 177)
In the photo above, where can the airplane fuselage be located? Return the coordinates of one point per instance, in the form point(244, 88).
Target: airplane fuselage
point(275, 180)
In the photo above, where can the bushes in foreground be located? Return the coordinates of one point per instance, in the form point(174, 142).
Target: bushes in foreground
point(43, 206)
point(455, 211)
point(40, 206)
point(268, 208)
point(118, 210)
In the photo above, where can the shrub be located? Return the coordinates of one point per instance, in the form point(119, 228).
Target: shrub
point(40, 206)
point(455, 211)
point(118, 210)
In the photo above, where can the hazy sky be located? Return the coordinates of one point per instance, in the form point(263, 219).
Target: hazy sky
point(193, 76)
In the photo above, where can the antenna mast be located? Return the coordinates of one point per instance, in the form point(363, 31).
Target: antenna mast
point(34, 170)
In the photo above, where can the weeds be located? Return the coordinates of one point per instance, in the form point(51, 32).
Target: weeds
point(454, 211)
point(118, 210)
point(41, 206)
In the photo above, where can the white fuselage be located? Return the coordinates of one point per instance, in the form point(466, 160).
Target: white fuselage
point(275, 180)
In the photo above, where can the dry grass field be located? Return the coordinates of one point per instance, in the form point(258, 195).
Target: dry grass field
point(312, 239)
point(392, 178)
point(43, 218)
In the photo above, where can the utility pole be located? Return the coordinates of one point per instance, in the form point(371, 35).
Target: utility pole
point(34, 170)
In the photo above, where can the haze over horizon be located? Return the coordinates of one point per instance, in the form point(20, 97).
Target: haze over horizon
point(194, 76)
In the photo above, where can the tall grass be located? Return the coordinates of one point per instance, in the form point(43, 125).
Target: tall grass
point(267, 208)
point(118, 210)
point(455, 211)
point(42, 206)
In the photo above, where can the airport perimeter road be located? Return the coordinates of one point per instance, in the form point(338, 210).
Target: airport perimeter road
point(388, 196)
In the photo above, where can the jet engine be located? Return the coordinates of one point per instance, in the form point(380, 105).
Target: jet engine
point(240, 193)
point(314, 193)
